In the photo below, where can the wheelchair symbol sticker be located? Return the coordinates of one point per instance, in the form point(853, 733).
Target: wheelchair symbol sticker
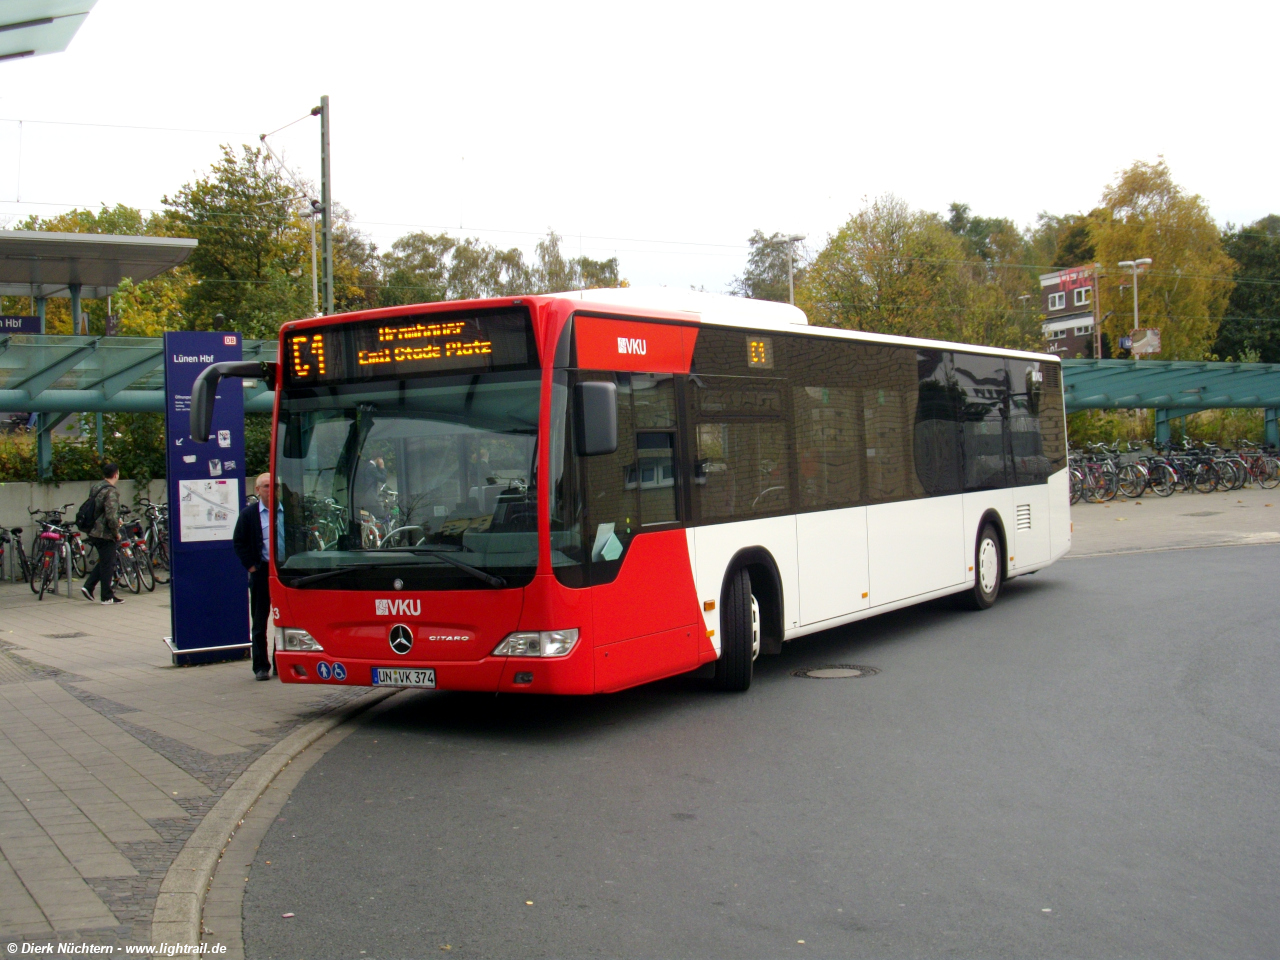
point(339, 672)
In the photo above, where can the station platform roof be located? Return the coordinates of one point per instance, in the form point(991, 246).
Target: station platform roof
point(1182, 386)
point(29, 28)
point(63, 374)
point(34, 263)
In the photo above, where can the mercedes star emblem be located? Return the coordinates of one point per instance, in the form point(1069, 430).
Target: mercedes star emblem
point(401, 639)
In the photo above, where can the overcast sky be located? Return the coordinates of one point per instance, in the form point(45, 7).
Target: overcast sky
point(662, 133)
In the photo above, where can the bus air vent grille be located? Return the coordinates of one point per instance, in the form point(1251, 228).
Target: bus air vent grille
point(1024, 516)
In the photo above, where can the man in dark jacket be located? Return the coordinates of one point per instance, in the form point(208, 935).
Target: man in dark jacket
point(104, 533)
point(250, 540)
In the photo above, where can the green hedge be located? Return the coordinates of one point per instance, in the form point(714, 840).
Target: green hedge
point(1224, 427)
point(134, 441)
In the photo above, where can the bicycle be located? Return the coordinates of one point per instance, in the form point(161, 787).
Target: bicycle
point(20, 562)
point(125, 574)
point(79, 553)
point(156, 539)
point(133, 544)
point(1263, 469)
point(53, 550)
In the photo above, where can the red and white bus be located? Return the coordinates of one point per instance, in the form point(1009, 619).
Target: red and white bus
point(582, 492)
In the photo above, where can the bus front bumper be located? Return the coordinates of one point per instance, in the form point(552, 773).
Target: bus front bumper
point(570, 674)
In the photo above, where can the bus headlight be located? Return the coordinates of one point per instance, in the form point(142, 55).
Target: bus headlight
point(287, 638)
point(537, 643)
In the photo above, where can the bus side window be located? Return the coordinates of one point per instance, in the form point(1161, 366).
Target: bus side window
point(889, 388)
point(741, 469)
point(1053, 426)
point(654, 471)
point(1026, 381)
point(741, 461)
point(984, 381)
point(937, 424)
point(828, 447)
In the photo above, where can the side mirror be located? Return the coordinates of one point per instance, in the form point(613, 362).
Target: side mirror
point(205, 389)
point(596, 404)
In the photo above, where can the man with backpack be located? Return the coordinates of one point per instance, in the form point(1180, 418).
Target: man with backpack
point(99, 518)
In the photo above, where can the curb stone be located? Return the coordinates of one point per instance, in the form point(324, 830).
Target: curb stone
point(176, 917)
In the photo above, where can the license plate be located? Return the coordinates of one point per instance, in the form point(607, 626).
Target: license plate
point(403, 677)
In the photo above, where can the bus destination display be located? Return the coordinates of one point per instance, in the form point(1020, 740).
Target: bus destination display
point(406, 346)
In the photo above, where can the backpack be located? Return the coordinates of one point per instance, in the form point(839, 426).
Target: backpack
point(88, 512)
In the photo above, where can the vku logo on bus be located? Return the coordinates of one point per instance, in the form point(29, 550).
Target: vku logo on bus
point(633, 345)
point(397, 608)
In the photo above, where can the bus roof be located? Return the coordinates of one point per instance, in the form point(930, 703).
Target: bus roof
point(725, 310)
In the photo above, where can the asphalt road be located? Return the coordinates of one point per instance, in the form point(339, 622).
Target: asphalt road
point(1090, 769)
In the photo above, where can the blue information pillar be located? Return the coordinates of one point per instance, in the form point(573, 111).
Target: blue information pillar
point(210, 598)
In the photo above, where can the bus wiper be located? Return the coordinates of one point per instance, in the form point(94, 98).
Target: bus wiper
point(479, 574)
point(317, 577)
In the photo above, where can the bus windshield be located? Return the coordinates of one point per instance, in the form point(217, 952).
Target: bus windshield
point(378, 481)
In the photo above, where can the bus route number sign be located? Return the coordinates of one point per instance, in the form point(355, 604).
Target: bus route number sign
point(406, 345)
point(760, 353)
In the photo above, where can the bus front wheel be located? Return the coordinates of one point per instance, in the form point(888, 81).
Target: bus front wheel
point(988, 570)
point(739, 634)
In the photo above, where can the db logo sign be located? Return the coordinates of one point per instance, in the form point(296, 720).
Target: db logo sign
point(229, 341)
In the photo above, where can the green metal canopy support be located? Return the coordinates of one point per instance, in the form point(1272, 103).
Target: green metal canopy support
point(74, 289)
point(1166, 414)
point(47, 423)
point(1273, 427)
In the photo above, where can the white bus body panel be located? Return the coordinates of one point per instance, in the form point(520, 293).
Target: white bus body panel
point(976, 504)
point(916, 547)
point(912, 551)
point(1028, 518)
point(711, 548)
point(832, 551)
point(1059, 488)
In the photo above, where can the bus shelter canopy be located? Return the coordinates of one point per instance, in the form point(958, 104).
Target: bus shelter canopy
point(29, 28)
point(63, 374)
point(1184, 386)
point(34, 263)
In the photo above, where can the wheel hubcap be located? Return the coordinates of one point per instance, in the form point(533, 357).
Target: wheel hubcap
point(755, 627)
point(988, 566)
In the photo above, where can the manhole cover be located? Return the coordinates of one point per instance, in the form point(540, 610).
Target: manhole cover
point(65, 636)
point(836, 671)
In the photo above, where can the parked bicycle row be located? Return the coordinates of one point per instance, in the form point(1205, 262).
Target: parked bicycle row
point(58, 546)
point(1100, 473)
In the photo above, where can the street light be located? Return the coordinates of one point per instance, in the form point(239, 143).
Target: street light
point(1134, 265)
point(791, 259)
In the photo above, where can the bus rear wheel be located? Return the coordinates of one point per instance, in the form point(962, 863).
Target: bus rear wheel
point(988, 570)
point(739, 634)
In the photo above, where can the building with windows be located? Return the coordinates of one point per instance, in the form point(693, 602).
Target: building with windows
point(1067, 302)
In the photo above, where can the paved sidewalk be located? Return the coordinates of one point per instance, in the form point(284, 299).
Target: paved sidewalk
point(109, 757)
point(1177, 522)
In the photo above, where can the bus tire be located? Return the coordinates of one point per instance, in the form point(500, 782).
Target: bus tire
point(988, 570)
point(739, 634)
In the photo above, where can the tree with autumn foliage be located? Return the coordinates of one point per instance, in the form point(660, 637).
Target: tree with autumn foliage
point(891, 269)
point(1185, 291)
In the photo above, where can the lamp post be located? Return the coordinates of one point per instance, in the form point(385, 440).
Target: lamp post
point(1134, 265)
point(314, 212)
point(792, 240)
